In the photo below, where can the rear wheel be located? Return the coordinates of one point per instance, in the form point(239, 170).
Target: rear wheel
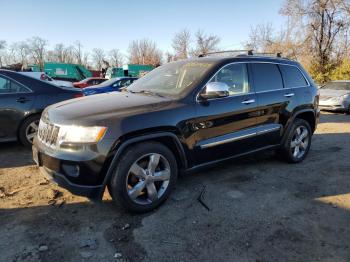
point(298, 142)
point(144, 177)
point(28, 130)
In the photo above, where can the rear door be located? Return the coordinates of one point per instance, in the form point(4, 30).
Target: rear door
point(15, 101)
point(226, 126)
point(274, 102)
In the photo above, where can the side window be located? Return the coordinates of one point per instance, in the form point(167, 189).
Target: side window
point(4, 86)
point(117, 84)
point(125, 83)
point(266, 77)
point(17, 88)
point(235, 76)
point(292, 76)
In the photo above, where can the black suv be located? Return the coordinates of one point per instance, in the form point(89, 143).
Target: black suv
point(179, 117)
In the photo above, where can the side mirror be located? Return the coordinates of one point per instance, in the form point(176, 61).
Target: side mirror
point(215, 90)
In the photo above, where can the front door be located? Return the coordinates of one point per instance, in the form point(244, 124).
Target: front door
point(226, 126)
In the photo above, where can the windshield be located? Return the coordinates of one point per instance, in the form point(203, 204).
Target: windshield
point(107, 82)
point(172, 79)
point(337, 86)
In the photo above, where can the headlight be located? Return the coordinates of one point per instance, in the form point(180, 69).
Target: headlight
point(80, 134)
point(338, 99)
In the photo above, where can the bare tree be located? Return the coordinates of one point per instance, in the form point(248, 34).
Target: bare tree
point(325, 21)
point(78, 52)
point(85, 61)
point(205, 43)
point(37, 49)
point(98, 57)
point(22, 52)
point(144, 52)
point(261, 37)
point(3, 45)
point(115, 58)
point(181, 44)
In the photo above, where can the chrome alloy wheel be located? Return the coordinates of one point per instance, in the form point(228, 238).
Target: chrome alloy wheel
point(300, 142)
point(32, 130)
point(148, 178)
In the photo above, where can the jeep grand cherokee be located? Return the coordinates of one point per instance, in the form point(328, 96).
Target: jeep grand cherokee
point(179, 117)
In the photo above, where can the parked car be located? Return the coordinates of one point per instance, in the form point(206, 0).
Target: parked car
point(335, 96)
point(22, 99)
point(110, 85)
point(179, 117)
point(90, 81)
point(44, 77)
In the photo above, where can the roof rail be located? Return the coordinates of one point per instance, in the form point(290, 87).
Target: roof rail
point(248, 52)
point(242, 53)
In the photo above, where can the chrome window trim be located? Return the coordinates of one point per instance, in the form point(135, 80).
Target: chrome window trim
point(255, 131)
point(251, 62)
point(11, 93)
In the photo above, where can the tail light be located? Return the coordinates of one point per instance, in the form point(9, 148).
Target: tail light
point(43, 77)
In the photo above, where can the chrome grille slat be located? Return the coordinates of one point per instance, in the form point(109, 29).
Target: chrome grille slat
point(48, 133)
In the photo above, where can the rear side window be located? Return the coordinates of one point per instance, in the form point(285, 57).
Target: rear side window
point(292, 76)
point(266, 77)
point(7, 86)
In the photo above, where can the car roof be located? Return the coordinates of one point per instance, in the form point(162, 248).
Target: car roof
point(29, 81)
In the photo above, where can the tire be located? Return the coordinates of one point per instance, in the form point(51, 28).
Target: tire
point(294, 140)
point(28, 129)
point(132, 179)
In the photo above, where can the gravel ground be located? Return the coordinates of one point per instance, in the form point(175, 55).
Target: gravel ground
point(260, 209)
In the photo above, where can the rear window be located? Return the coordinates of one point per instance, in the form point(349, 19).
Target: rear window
point(266, 77)
point(292, 76)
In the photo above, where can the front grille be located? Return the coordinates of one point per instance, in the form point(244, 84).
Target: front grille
point(48, 133)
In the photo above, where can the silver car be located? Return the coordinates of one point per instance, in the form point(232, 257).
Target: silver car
point(335, 96)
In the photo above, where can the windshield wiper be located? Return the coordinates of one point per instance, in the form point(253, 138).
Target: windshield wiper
point(146, 92)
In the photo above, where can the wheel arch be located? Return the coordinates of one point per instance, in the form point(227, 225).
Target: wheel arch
point(306, 114)
point(167, 138)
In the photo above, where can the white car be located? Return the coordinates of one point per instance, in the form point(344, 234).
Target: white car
point(44, 77)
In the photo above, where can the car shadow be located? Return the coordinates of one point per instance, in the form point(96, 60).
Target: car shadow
point(13, 154)
point(327, 117)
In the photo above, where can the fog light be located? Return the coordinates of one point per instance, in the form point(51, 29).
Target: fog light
point(71, 170)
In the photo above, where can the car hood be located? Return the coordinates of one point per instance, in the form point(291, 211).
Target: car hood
point(330, 93)
point(92, 110)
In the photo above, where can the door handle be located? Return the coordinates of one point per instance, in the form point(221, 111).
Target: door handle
point(249, 101)
point(289, 95)
point(22, 100)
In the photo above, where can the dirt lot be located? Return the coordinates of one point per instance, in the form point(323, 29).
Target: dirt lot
point(261, 209)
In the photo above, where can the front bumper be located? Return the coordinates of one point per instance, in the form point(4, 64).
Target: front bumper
point(93, 192)
point(82, 173)
point(339, 108)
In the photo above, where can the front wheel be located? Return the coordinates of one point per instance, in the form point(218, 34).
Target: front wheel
point(144, 177)
point(298, 142)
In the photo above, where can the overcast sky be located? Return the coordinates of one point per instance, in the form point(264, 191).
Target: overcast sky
point(113, 24)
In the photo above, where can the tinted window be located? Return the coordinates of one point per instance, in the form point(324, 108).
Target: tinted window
point(126, 82)
point(266, 77)
point(7, 86)
point(292, 76)
point(235, 76)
